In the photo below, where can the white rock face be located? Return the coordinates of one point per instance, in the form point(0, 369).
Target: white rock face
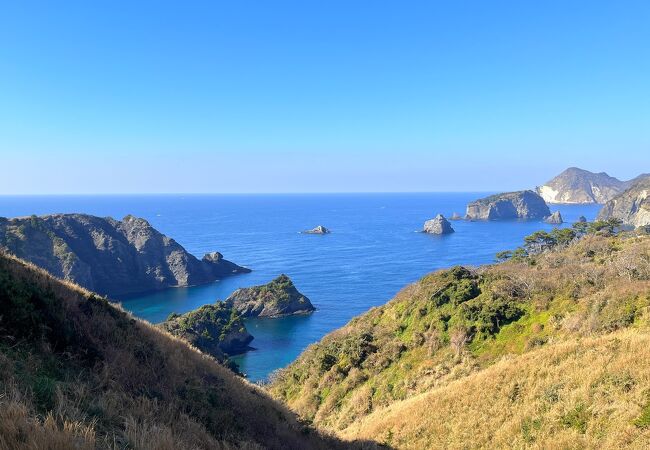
point(548, 194)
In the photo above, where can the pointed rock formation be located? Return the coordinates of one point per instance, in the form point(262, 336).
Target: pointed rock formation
point(437, 225)
point(555, 218)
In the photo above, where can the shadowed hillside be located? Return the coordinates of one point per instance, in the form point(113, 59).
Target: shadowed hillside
point(78, 372)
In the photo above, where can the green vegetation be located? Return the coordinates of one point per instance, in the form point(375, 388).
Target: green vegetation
point(543, 241)
point(215, 329)
point(457, 322)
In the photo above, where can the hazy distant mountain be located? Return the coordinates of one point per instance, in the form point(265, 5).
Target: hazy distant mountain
point(576, 185)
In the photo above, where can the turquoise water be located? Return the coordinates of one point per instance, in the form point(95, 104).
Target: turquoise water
point(373, 251)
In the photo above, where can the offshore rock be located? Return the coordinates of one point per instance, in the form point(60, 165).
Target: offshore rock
point(437, 225)
point(508, 206)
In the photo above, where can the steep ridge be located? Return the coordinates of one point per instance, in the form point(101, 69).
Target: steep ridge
point(108, 256)
point(78, 372)
point(453, 324)
point(632, 207)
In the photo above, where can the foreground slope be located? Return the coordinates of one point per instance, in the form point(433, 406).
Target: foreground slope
point(452, 325)
point(108, 256)
point(584, 393)
point(77, 372)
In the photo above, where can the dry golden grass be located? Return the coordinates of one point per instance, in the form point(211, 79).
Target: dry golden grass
point(585, 393)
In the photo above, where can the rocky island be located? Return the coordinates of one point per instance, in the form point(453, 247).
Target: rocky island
point(275, 299)
point(632, 206)
point(508, 206)
point(437, 225)
point(317, 230)
point(109, 256)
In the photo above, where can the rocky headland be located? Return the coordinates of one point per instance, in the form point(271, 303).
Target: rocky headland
point(215, 329)
point(508, 206)
point(109, 256)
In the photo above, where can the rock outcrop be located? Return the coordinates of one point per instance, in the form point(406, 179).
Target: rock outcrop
point(581, 186)
point(507, 206)
point(214, 329)
point(318, 230)
point(437, 225)
point(455, 216)
point(555, 218)
point(108, 256)
point(631, 206)
point(275, 299)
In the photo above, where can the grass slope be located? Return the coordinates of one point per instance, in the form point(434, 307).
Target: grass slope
point(455, 323)
point(78, 372)
point(584, 393)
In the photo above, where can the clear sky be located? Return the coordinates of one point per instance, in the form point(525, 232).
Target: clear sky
point(319, 96)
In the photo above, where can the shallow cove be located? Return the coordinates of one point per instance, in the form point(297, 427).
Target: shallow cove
point(372, 252)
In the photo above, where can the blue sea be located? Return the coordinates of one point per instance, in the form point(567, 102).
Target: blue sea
point(374, 250)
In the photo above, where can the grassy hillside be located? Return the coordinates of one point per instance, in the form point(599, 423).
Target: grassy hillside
point(78, 372)
point(583, 393)
point(451, 325)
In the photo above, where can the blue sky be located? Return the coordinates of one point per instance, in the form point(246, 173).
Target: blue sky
point(319, 96)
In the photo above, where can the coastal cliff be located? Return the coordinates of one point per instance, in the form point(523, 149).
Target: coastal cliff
point(632, 206)
point(275, 299)
point(108, 256)
point(507, 206)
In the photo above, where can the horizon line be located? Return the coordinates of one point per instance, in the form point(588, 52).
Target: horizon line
point(84, 194)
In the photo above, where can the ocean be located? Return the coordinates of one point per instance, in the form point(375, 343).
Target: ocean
point(374, 250)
